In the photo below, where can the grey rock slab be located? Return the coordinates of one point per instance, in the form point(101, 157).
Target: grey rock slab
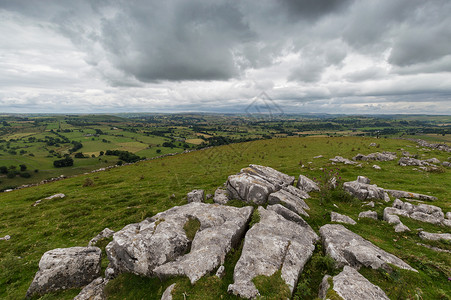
point(340, 159)
point(430, 210)
point(324, 287)
point(105, 233)
point(222, 227)
point(395, 211)
point(250, 188)
point(298, 193)
point(434, 236)
point(269, 174)
point(446, 222)
point(273, 244)
point(288, 214)
point(363, 191)
point(60, 195)
point(400, 227)
point(404, 194)
point(167, 295)
point(288, 200)
point(368, 214)
point(306, 184)
point(157, 245)
point(336, 217)
point(348, 248)
point(427, 218)
point(448, 215)
point(196, 196)
point(351, 285)
point(384, 156)
point(93, 291)
point(221, 196)
point(363, 179)
point(220, 272)
point(65, 268)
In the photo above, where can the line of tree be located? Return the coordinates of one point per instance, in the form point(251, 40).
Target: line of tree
point(66, 162)
point(124, 155)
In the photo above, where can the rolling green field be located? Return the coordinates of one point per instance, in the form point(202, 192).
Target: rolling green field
point(129, 194)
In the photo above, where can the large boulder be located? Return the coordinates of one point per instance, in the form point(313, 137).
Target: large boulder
point(159, 245)
point(306, 184)
point(288, 200)
point(65, 268)
point(269, 174)
point(351, 285)
point(368, 214)
point(348, 248)
point(273, 244)
point(250, 188)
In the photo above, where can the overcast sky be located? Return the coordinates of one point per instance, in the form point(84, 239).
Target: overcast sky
point(308, 56)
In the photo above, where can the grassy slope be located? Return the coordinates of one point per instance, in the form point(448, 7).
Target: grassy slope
point(129, 194)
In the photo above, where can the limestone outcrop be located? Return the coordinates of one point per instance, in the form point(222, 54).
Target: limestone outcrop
point(157, 245)
point(282, 245)
point(348, 248)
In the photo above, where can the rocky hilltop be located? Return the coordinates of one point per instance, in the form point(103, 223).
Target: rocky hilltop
point(193, 240)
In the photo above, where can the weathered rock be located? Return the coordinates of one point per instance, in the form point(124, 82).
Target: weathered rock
point(370, 204)
point(288, 200)
point(434, 236)
point(446, 164)
point(384, 156)
point(376, 167)
point(271, 175)
point(298, 193)
point(272, 244)
point(373, 145)
point(409, 161)
point(196, 196)
point(423, 217)
point(363, 179)
point(250, 188)
point(368, 214)
point(306, 184)
point(221, 196)
point(432, 160)
point(430, 210)
point(403, 194)
point(93, 291)
point(339, 159)
point(446, 222)
point(386, 197)
point(392, 219)
point(351, 285)
point(64, 268)
point(348, 248)
point(363, 190)
point(55, 196)
point(448, 215)
point(287, 214)
point(157, 245)
point(400, 227)
point(336, 217)
point(220, 272)
point(395, 211)
point(106, 233)
point(167, 295)
point(434, 248)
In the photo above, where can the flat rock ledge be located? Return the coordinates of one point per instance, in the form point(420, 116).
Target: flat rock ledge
point(157, 245)
point(336, 217)
point(65, 268)
point(423, 212)
point(348, 248)
point(273, 244)
point(434, 236)
point(351, 285)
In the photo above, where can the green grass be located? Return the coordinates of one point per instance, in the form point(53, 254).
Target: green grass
point(129, 194)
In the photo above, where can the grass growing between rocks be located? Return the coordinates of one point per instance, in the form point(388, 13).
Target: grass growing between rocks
point(272, 287)
point(130, 194)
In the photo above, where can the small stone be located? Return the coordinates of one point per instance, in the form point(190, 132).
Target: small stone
point(376, 167)
point(400, 227)
point(220, 272)
point(196, 196)
point(5, 238)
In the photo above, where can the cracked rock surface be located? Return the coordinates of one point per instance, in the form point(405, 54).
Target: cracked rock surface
point(157, 245)
point(273, 244)
point(348, 248)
